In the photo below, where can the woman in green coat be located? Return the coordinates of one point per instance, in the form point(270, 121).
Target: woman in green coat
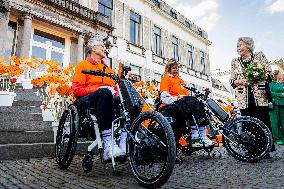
point(277, 112)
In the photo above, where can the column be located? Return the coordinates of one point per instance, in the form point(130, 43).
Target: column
point(80, 48)
point(26, 38)
point(4, 20)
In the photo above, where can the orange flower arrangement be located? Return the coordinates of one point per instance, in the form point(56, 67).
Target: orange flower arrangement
point(54, 68)
point(64, 90)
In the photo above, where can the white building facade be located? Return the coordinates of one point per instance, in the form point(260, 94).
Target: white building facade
point(144, 34)
point(149, 32)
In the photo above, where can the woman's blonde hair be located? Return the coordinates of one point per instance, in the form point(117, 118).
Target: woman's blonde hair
point(248, 41)
point(275, 74)
point(171, 63)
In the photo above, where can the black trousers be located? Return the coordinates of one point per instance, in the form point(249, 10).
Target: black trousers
point(102, 106)
point(261, 113)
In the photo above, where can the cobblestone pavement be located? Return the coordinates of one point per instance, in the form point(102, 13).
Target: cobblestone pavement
point(197, 171)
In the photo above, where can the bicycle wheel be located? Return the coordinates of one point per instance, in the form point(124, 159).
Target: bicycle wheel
point(67, 135)
point(152, 155)
point(247, 139)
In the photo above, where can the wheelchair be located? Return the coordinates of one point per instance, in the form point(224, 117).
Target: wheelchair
point(150, 149)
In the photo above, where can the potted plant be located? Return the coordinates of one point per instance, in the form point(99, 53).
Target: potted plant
point(8, 79)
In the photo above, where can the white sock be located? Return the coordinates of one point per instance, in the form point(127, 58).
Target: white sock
point(123, 136)
point(106, 134)
point(194, 133)
point(202, 131)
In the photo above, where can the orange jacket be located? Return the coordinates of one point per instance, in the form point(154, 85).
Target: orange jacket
point(84, 84)
point(173, 85)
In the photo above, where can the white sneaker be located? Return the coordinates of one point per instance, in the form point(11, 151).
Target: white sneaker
point(207, 141)
point(197, 144)
point(116, 151)
point(122, 146)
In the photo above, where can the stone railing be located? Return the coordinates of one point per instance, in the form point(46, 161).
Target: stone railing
point(80, 11)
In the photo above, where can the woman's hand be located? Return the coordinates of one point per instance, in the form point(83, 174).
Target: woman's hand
point(283, 94)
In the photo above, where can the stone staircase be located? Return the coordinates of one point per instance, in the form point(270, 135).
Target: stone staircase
point(23, 133)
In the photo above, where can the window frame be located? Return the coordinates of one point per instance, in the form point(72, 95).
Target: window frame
point(190, 51)
point(48, 45)
point(157, 41)
point(110, 8)
point(202, 62)
point(136, 19)
point(173, 14)
point(175, 46)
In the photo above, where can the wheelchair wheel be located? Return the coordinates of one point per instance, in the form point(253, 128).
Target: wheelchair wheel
point(67, 135)
point(247, 139)
point(152, 150)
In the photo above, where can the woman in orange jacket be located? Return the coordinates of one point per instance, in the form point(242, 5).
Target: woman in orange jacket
point(177, 104)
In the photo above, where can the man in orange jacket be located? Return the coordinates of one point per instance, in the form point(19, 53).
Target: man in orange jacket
point(98, 92)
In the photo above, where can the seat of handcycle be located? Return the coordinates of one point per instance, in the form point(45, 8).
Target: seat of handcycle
point(86, 128)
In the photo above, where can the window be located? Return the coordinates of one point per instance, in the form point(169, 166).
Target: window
point(136, 73)
point(200, 33)
point(157, 3)
point(175, 47)
point(158, 78)
point(173, 14)
point(105, 7)
point(135, 28)
point(190, 56)
point(48, 46)
point(157, 41)
point(187, 24)
point(202, 62)
point(11, 40)
point(76, 1)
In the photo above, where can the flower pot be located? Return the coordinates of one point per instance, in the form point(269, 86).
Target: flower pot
point(27, 84)
point(47, 115)
point(6, 98)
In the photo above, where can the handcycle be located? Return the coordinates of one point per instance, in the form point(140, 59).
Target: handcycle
point(245, 138)
point(151, 157)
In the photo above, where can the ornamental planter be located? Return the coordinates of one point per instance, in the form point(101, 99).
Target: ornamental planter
point(47, 114)
point(27, 84)
point(6, 98)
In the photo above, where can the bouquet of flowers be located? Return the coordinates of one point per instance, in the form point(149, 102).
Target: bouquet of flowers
point(254, 73)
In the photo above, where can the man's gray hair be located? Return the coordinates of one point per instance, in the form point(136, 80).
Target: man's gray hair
point(248, 41)
point(96, 40)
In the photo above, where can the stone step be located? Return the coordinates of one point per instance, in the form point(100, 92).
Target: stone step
point(18, 109)
point(9, 137)
point(26, 151)
point(26, 103)
point(35, 150)
point(28, 125)
point(21, 116)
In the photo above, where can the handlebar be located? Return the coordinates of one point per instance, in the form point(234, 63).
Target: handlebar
point(198, 93)
point(103, 74)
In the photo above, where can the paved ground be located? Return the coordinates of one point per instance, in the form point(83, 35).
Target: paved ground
point(197, 171)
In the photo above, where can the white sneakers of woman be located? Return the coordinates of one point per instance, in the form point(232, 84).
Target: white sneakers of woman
point(116, 151)
point(198, 142)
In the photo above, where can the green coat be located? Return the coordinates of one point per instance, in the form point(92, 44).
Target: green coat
point(277, 114)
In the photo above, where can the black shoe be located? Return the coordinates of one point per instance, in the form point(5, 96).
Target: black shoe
point(267, 156)
point(178, 160)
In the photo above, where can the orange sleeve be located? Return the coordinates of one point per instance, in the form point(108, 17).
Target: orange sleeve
point(165, 84)
point(79, 77)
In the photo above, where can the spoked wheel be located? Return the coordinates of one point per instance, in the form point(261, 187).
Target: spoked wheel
point(152, 150)
point(67, 135)
point(247, 139)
